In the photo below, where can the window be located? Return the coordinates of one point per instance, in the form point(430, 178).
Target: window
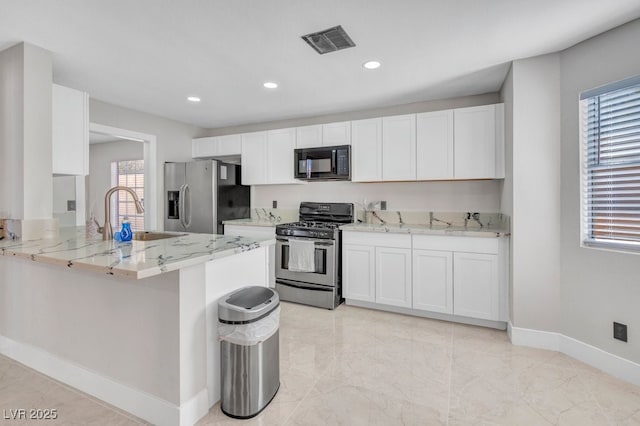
point(127, 173)
point(611, 165)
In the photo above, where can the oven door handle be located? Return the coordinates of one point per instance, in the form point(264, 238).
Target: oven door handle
point(318, 242)
point(305, 286)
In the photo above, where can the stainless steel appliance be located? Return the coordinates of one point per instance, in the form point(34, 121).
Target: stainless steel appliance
point(324, 163)
point(320, 283)
point(199, 195)
point(250, 352)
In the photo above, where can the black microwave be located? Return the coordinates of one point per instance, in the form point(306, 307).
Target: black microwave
point(323, 163)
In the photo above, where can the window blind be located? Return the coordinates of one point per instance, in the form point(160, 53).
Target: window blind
point(611, 167)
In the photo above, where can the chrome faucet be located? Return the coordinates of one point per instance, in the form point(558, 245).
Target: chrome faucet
point(107, 231)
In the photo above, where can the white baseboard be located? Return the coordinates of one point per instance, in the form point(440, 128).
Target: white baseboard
point(500, 325)
point(143, 405)
point(595, 357)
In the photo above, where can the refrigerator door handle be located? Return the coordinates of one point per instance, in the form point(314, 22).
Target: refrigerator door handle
point(181, 205)
point(187, 203)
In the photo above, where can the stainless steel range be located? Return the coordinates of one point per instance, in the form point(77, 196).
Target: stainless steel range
point(308, 255)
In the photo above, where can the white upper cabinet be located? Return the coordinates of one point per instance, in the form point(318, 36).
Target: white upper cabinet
point(254, 155)
point(216, 146)
point(203, 147)
point(366, 151)
point(434, 145)
point(267, 157)
point(281, 144)
point(309, 136)
point(475, 142)
point(70, 131)
point(399, 147)
point(229, 145)
point(330, 134)
point(336, 133)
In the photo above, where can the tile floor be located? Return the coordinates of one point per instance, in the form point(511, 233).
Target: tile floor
point(360, 367)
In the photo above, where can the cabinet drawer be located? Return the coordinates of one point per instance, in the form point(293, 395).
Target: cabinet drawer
point(458, 244)
point(377, 239)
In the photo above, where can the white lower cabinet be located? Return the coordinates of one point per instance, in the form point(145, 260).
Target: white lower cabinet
point(358, 272)
point(393, 276)
point(433, 281)
point(461, 277)
point(476, 290)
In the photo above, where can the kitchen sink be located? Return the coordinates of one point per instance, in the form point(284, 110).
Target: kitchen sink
point(151, 235)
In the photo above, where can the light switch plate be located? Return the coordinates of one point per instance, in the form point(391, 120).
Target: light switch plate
point(71, 205)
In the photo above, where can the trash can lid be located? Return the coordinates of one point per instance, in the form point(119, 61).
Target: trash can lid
point(247, 304)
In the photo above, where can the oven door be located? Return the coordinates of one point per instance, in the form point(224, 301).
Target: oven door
point(325, 262)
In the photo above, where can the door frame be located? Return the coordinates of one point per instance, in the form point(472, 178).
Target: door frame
point(150, 167)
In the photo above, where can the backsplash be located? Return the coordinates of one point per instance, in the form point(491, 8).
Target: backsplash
point(470, 220)
point(274, 215)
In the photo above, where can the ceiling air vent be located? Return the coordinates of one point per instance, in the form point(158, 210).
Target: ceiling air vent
point(330, 40)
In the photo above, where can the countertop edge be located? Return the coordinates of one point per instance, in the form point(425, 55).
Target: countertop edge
point(135, 274)
point(421, 230)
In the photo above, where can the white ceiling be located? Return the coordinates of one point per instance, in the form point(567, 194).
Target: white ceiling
point(149, 55)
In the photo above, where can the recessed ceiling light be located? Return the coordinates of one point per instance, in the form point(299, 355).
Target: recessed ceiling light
point(270, 85)
point(371, 65)
point(193, 99)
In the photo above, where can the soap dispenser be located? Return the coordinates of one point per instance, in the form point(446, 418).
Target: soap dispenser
point(125, 232)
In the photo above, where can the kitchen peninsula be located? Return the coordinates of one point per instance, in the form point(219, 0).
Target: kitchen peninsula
point(131, 323)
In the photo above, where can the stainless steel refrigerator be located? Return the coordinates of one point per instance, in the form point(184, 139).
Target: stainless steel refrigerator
point(199, 195)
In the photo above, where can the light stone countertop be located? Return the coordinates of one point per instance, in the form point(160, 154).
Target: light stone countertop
point(133, 259)
point(458, 231)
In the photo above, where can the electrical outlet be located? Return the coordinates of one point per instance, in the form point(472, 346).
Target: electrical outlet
point(383, 205)
point(620, 331)
point(71, 205)
point(274, 204)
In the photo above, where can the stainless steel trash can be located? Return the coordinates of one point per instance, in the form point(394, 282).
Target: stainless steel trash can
point(248, 324)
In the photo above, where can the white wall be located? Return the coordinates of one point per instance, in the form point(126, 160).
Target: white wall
point(172, 137)
point(534, 184)
point(506, 189)
point(481, 196)
point(101, 155)
point(64, 189)
point(598, 287)
point(25, 132)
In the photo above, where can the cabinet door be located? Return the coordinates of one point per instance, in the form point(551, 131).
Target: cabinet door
point(204, 147)
point(309, 136)
point(433, 281)
point(336, 133)
point(358, 272)
point(229, 145)
point(476, 287)
point(366, 152)
point(281, 143)
point(254, 154)
point(69, 131)
point(434, 145)
point(475, 142)
point(393, 276)
point(399, 147)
